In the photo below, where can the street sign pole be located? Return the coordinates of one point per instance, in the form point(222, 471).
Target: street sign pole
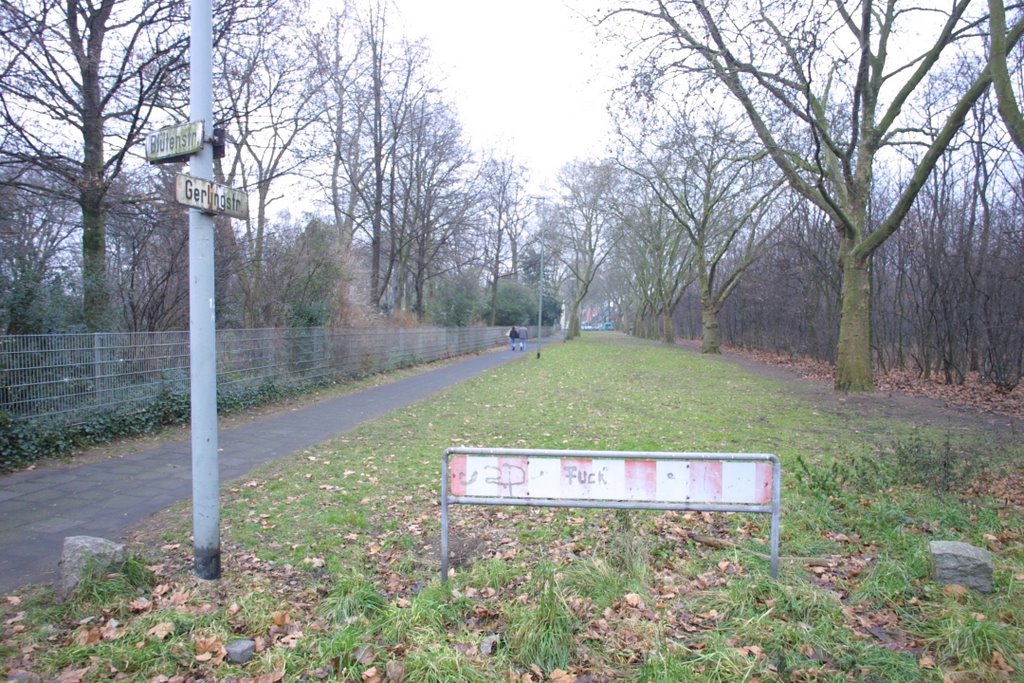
point(202, 319)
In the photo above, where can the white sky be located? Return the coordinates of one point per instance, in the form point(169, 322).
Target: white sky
point(527, 76)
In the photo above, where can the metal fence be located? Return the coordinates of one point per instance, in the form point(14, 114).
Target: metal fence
point(71, 376)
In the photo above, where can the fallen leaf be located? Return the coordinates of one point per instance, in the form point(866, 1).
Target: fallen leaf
point(210, 650)
point(161, 630)
point(926, 662)
point(395, 671)
point(559, 676)
point(178, 598)
point(73, 675)
point(999, 662)
point(954, 590)
point(751, 650)
point(88, 636)
point(274, 676)
point(489, 644)
point(281, 618)
point(634, 600)
point(364, 655)
point(109, 630)
point(372, 675)
point(140, 605)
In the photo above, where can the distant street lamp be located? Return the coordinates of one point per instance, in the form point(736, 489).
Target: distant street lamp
point(540, 287)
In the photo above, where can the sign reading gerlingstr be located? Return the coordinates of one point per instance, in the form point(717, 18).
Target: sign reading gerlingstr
point(174, 143)
point(209, 197)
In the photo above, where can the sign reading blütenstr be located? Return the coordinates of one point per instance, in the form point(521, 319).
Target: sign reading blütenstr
point(174, 143)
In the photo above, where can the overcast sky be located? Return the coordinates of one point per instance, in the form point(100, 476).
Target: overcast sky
point(528, 77)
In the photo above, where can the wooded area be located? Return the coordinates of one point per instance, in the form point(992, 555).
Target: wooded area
point(843, 180)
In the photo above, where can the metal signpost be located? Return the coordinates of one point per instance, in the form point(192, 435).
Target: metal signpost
point(202, 316)
point(188, 142)
point(706, 482)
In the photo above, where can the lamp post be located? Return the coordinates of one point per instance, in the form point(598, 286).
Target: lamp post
point(540, 286)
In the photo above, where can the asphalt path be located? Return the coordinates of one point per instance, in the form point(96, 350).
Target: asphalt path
point(40, 507)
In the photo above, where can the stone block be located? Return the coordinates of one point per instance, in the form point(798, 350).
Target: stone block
point(962, 563)
point(79, 555)
point(240, 651)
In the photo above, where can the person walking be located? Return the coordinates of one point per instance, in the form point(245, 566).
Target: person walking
point(513, 334)
point(524, 332)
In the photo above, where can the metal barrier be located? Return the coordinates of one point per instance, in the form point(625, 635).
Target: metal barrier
point(704, 482)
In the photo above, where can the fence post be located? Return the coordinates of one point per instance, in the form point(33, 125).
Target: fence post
point(97, 369)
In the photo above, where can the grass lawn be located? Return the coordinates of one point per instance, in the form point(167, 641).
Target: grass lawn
point(331, 556)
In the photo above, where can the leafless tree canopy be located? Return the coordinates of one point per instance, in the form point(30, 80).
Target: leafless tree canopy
point(837, 179)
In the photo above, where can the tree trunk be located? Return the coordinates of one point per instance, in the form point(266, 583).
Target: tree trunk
point(572, 330)
point(667, 332)
point(96, 295)
point(92, 190)
point(853, 362)
point(709, 328)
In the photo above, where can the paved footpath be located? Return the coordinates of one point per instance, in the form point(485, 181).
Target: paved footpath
point(39, 508)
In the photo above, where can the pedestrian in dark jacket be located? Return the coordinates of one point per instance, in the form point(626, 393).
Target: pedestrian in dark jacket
point(513, 334)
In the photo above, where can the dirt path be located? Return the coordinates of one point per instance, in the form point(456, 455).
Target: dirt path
point(916, 409)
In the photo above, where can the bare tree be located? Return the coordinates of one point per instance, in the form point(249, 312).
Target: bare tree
point(503, 212)
point(788, 300)
point(149, 259)
point(91, 70)
point(720, 196)
point(827, 88)
point(339, 51)
point(1002, 83)
point(654, 258)
point(433, 198)
point(587, 218)
point(35, 258)
point(269, 89)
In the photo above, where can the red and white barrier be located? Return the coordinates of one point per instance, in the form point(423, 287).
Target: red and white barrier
point(609, 479)
point(717, 482)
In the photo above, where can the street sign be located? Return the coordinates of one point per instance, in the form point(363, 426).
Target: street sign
point(174, 143)
point(209, 197)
